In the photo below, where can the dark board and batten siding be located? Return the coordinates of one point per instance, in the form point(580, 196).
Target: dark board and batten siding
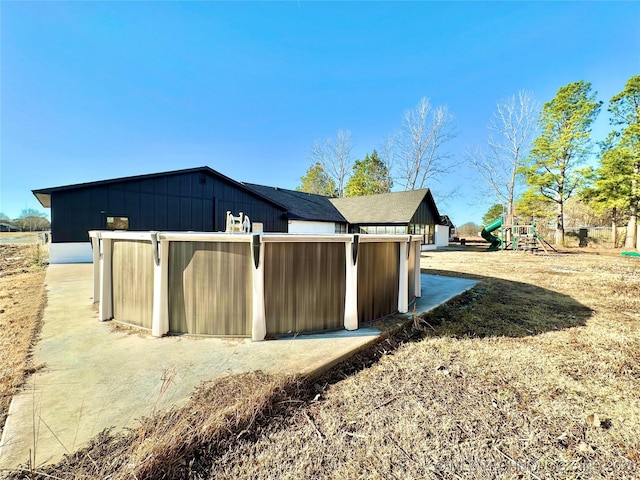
point(194, 201)
point(304, 286)
point(425, 214)
point(210, 288)
point(378, 280)
point(132, 279)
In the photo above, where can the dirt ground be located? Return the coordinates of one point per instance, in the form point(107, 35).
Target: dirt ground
point(22, 301)
point(533, 374)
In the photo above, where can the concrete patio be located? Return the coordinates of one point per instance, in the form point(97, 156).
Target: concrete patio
point(94, 376)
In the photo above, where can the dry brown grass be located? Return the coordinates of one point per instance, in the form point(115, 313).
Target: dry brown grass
point(19, 238)
point(168, 444)
point(22, 300)
point(535, 373)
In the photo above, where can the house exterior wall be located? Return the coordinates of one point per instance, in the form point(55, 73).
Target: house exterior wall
point(425, 215)
point(190, 201)
point(442, 236)
point(301, 226)
point(70, 252)
point(424, 222)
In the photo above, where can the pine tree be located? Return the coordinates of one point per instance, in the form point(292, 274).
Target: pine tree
point(317, 181)
point(494, 212)
point(370, 176)
point(564, 144)
point(616, 185)
point(625, 152)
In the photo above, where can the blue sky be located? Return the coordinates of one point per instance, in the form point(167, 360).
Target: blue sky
point(96, 90)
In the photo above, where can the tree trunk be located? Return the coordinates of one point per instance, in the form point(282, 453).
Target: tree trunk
point(614, 227)
point(632, 227)
point(512, 186)
point(632, 232)
point(560, 222)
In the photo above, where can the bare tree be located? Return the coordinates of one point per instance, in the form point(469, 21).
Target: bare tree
point(335, 157)
point(31, 220)
point(387, 153)
point(424, 131)
point(512, 129)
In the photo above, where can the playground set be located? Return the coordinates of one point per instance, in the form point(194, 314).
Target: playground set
point(511, 235)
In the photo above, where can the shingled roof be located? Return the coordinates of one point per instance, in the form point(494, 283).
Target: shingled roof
point(44, 194)
point(300, 205)
point(394, 207)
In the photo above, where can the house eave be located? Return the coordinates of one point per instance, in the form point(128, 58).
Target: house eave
point(43, 198)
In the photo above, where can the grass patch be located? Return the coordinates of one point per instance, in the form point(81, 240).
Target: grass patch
point(22, 301)
point(168, 444)
point(532, 374)
point(501, 308)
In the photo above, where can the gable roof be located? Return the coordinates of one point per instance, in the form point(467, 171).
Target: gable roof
point(44, 194)
point(394, 207)
point(445, 220)
point(384, 208)
point(301, 205)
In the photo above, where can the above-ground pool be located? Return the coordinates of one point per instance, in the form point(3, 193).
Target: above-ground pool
point(252, 285)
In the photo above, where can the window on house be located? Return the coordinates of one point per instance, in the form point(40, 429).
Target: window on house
point(117, 223)
point(387, 229)
point(430, 234)
point(427, 232)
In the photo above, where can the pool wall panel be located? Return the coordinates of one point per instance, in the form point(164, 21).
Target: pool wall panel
point(210, 288)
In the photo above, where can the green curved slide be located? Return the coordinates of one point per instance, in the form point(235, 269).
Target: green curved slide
point(486, 234)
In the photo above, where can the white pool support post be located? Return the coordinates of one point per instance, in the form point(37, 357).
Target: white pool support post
point(416, 270)
point(403, 283)
point(95, 245)
point(105, 310)
point(259, 319)
point(351, 283)
point(160, 315)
